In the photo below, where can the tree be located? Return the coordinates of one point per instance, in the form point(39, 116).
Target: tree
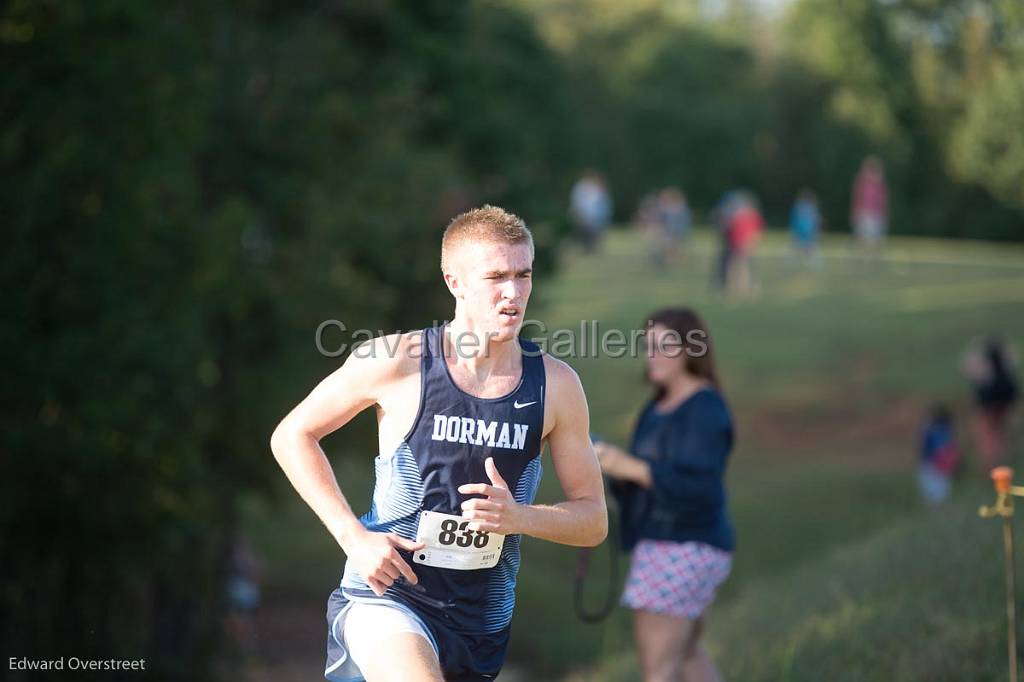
point(189, 192)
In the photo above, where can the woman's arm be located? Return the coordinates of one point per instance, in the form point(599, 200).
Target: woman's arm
point(620, 465)
point(691, 469)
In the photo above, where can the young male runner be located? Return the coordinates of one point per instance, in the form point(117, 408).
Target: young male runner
point(463, 411)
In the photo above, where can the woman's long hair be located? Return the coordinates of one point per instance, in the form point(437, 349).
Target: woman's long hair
point(698, 352)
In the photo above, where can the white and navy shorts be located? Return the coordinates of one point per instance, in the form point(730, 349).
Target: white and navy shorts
point(354, 626)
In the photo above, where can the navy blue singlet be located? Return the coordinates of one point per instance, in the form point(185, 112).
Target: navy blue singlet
point(466, 611)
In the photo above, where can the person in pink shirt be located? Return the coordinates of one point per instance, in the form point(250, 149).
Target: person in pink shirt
point(869, 209)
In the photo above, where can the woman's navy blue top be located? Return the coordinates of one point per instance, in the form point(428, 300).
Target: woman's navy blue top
point(687, 450)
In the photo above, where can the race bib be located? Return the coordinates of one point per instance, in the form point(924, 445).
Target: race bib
point(451, 544)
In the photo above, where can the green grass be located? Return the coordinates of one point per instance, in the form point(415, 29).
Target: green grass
point(921, 599)
point(838, 573)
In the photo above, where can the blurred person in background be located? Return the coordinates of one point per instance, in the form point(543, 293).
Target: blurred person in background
point(805, 228)
point(244, 575)
point(646, 217)
point(990, 365)
point(939, 457)
point(869, 206)
point(673, 225)
point(723, 214)
point(591, 208)
point(745, 231)
point(671, 492)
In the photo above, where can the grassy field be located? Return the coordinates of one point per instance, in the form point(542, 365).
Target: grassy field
point(839, 573)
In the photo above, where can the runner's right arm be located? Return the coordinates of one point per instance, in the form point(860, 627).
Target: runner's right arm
point(355, 386)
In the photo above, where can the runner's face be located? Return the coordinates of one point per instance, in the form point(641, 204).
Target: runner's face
point(665, 351)
point(495, 284)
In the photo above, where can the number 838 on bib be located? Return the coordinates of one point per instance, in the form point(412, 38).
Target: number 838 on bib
point(450, 543)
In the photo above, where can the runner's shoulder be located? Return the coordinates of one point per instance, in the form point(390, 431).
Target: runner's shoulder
point(390, 356)
point(562, 379)
point(565, 401)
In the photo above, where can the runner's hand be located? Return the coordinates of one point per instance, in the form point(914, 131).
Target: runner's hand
point(376, 558)
point(496, 513)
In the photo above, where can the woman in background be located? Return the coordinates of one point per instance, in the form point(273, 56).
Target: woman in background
point(990, 365)
point(671, 493)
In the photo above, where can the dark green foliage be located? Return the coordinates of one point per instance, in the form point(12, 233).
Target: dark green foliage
point(188, 192)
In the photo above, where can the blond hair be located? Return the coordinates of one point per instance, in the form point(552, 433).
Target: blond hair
point(488, 224)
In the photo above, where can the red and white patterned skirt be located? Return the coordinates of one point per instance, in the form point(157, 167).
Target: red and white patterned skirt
point(675, 578)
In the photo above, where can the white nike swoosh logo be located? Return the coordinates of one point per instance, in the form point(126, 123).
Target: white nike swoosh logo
point(518, 404)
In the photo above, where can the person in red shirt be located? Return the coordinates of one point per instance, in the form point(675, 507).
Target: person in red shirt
point(744, 233)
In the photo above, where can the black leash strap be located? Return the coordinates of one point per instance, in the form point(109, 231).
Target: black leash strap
point(582, 566)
